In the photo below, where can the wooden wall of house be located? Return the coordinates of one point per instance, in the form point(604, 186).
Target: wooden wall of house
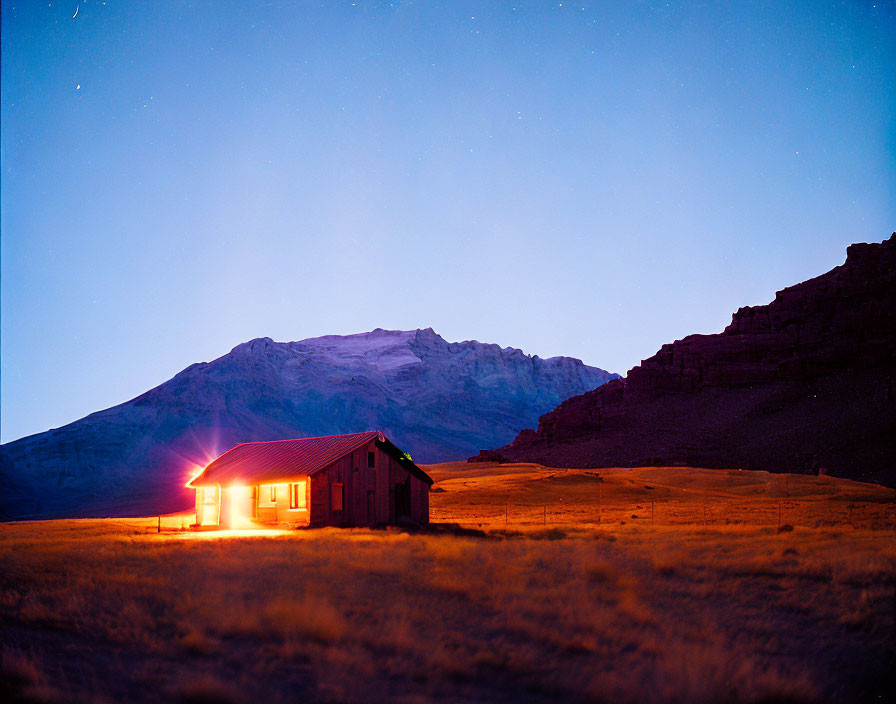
point(419, 500)
point(364, 488)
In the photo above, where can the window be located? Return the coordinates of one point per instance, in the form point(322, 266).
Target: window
point(371, 459)
point(297, 496)
point(335, 497)
point(267, 494)
point(207, 506)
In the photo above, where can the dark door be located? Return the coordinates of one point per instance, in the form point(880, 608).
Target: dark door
point(403, 499)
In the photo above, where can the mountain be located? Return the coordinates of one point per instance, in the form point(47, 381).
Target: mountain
point(803, 384)
point(435, 399)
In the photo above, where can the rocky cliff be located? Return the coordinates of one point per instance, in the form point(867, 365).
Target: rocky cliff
point(803, 384)
point(435, 399)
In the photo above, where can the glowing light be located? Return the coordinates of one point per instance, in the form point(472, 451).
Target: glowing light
point(239, 500)
point(271, 494)
point(244, 533)
point(195, 472)
point(208, 506)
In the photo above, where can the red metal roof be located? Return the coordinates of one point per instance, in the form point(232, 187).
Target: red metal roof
point(254, 462)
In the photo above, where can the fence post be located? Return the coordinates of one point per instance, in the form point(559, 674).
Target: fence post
point(159, 527)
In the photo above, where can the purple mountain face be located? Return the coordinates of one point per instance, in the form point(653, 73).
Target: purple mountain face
point(804, 384)
point(437, 400)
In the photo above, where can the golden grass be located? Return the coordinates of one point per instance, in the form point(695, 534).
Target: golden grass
point(526, 495)
point(111, 610)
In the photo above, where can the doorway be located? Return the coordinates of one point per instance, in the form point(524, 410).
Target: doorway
point(403, 499)
point(371, 507)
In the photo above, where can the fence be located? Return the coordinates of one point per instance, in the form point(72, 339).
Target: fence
point(171, 523)
point(861, 515)
point(773, 513)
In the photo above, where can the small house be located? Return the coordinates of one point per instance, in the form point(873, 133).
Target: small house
point(360, 479)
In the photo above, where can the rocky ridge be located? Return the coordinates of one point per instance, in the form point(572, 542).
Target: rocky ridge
point(803, 384)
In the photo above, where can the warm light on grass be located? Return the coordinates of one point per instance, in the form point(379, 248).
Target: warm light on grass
point(557, 587)
point(235, 533)
point(608, 613)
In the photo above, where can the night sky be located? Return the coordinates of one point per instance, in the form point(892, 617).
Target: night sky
point(590, 180)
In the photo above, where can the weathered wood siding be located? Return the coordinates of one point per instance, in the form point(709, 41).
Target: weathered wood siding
point(419, 500)
point(358, 480)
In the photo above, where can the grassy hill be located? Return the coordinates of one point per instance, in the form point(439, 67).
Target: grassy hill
point(526, 495)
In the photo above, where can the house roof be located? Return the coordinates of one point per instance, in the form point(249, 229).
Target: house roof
point(255, 462)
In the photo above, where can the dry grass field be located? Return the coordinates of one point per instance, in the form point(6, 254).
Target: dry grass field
point(526, 495)
point(555, 586)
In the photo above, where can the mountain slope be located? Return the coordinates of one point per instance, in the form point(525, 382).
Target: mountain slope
point(435, 399)
point(804, 384)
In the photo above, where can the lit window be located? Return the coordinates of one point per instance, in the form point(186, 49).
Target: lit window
point(207, 506)
point(336, 497)
point(297, 496)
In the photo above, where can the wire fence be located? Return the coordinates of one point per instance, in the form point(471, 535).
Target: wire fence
point(172, 523)
point(860, 515)
point(773, 513)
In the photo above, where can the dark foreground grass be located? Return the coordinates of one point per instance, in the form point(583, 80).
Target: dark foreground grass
point(107, 611)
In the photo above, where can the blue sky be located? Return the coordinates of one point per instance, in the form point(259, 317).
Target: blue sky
point(587, 179)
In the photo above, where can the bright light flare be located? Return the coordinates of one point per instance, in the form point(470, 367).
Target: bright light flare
point(195, 472)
